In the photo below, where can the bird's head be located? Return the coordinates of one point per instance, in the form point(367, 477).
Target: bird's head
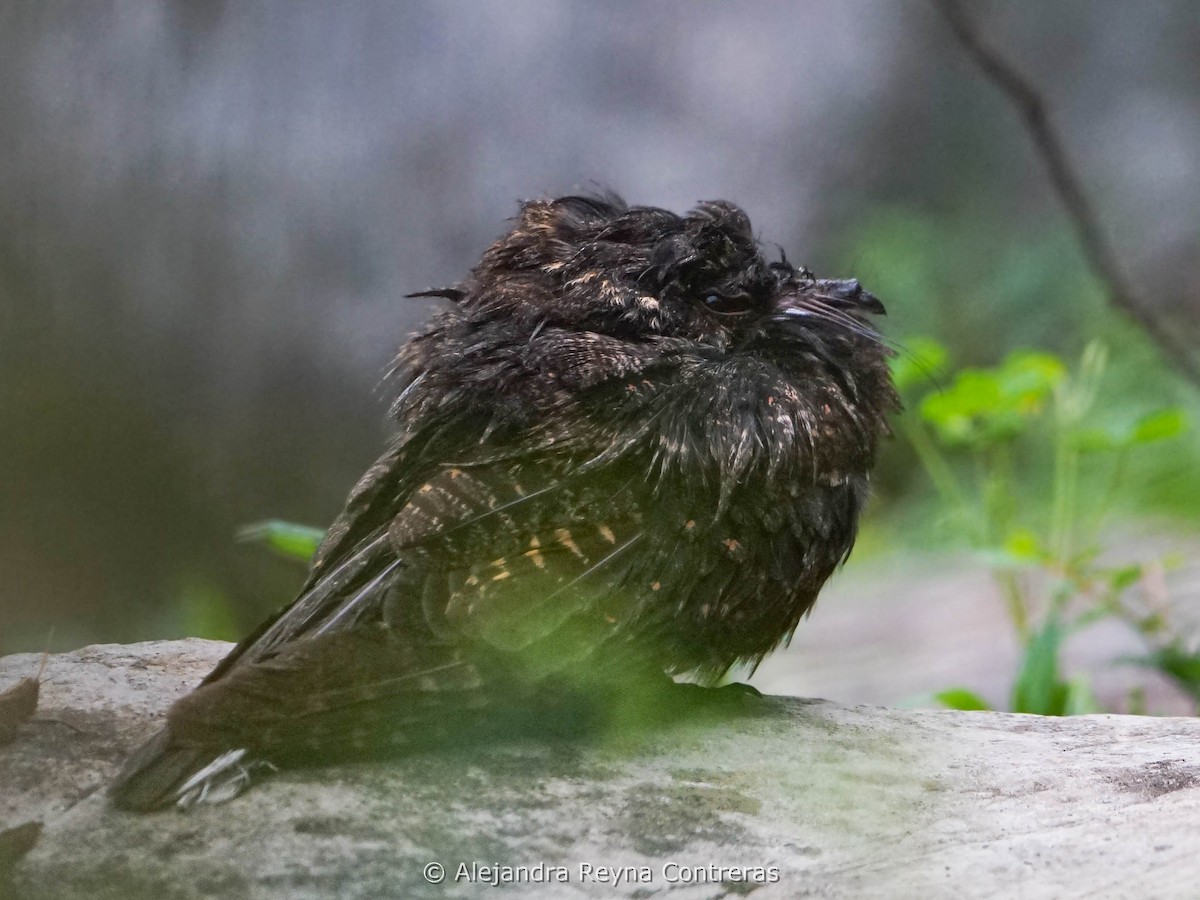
point(585, 289)
point(640, 273)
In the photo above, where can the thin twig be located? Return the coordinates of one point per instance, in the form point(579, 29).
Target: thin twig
point(1096, 249)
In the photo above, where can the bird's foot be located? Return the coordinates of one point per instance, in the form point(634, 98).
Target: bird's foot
point(733, 695)
point(687, 700)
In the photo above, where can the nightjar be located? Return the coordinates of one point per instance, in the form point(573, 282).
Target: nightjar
point(633, 448)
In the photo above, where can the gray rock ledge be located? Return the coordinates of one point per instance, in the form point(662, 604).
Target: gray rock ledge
point(835, 801)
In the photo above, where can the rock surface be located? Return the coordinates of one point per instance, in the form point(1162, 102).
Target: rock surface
point(829, 800)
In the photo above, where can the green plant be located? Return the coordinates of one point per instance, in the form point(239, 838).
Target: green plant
point(982, 440)
point(287, 539)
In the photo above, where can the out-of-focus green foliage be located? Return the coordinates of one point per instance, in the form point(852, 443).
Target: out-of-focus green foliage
point(957, 278)
point(1180, 666)
point(961, 277)
point(984, 406)
point(1156, 426)
point(922, 358)
point(974, 438)
point(285, 538)
point(962, 698)
point(203, 611)
point(1039, 687)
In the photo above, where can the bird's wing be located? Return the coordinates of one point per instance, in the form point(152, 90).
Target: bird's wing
point(461, 573)
point(409, 496)
point(451, 494)
point(488, 578)
point(504, 584)
point(523, 554)
point(352, 555)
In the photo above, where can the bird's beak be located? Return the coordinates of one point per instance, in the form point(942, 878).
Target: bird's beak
point(831, 300)
point(847, 294)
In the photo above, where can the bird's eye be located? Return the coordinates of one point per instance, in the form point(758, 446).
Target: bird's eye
point(729, 304)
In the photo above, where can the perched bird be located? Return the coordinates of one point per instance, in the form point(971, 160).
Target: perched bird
point(633, 448)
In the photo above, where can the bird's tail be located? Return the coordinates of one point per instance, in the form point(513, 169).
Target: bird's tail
point(342, 696)
point(162, 773)
point(325, 699)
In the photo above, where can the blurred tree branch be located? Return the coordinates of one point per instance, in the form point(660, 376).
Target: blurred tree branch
point(1099, 254)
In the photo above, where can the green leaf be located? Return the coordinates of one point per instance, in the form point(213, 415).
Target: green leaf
point(286, 538)
point(973, 392)
point(1162, 425)
point(920, 360)
point(1021, 549)
point(961, 698)
point(988, 406)
point(1125, 577)
point(1022, 544)
point(968, 411)
point(1181, 666)
point(1080, 701)
point(1027, 378)
point(1038, 688)
point(1096, 440)
point(1159, 426)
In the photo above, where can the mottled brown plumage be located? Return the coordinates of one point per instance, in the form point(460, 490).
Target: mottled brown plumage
point(633, 446)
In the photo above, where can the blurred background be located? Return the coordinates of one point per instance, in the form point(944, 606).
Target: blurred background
point(210, 211)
